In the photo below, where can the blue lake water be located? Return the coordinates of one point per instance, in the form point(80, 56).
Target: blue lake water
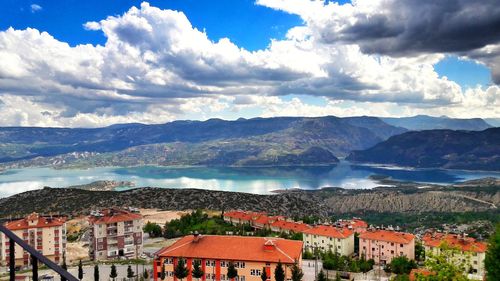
point(253, 180)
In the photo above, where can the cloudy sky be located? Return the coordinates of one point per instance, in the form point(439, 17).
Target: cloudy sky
point(94, 62)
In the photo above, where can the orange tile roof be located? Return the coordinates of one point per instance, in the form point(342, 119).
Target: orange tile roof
point(388, 236)
point(466, 244)
point(291, 226)
point(420, 271)
point(41, 222)
point(114, 216)
point(234, 248)
point(262, 220)
point(330, 231)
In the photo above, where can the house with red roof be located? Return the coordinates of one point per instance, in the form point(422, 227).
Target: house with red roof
point(384, 245)
point(250, 255)
point(463, 250)
point(115, 233)
point(355, 224)
point(46, 234)
point(329, 238)
point(287, 226)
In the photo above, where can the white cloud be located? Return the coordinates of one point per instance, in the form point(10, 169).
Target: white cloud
point(35, 8)
point(156, 67)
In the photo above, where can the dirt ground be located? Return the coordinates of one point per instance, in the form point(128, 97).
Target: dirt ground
point(76, 251)
point(160, 217)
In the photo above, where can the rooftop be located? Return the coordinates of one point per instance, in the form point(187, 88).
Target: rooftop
point(34, 220)
point(290, 225)
point(466, 244)
point(108, 216)
point(330, 231)
point(388, 236)
point(235, 248)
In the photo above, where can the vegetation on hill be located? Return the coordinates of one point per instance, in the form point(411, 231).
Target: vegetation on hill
point(448, 149)
point(424, 122)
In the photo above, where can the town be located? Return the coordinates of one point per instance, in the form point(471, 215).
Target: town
point(237, 245)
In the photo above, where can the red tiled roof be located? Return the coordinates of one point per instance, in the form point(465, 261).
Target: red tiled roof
point(293, 226)
point(235, 248)
point(41, 222)
point(420, 271)
point(466, 244)
point(330, 231)
point(263, 219)
point(113, 216)
point(388, 236)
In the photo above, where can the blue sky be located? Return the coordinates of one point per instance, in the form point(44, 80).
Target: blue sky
point(313, 72)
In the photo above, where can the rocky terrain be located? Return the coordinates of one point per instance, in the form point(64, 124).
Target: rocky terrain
point(406, 198)
point(104, 185)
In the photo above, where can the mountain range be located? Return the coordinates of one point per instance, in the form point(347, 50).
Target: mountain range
point(214, 142)
point(469, 150)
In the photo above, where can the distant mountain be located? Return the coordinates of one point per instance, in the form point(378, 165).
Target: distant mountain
point(495, 122)
point(258, 141)
point(471, 150)
point(424, 122)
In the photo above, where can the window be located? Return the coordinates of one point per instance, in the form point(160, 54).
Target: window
point(364, 247)
point(373, 249)
point(400, 245)
point(392, 244)
point(392, 252)
point(255, 272)
point(338, 246)
point(210, 263)
point(169, 261)
point(224, 264)
point(401, 253)
point(338, 239)
point(382, 246)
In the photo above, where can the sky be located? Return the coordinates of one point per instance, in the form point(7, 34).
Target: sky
point(99, 62)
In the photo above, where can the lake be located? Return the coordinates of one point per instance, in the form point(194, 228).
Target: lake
point(248, 179)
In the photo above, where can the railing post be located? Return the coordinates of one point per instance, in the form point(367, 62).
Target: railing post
point(34, 265)
point(12, 260)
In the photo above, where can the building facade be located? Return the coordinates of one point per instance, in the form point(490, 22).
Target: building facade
point(463, 250)
point(45, 234)
point(115, 233)
point(329, 238)
point(250, 255)
point(384, 245)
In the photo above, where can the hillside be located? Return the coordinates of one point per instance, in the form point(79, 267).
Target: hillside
point(321, 203)
point(470, 150)
point(424, 122)
point(244, 142)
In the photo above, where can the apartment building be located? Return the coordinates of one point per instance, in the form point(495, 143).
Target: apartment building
point(357, 225)
point(45, 234)
point(250, 255)
point(329, 238)
point(384, 245)
point(465, 251)
point(115, 233)
point(287, 226)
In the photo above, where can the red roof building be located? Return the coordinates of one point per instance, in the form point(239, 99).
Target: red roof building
point(384, 245)
point(249, 254)
point(329, 238)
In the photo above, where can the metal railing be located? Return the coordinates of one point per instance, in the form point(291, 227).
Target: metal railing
point(35, 257)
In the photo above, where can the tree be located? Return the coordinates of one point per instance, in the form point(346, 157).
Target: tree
point(419, 251)
point(279, 273)
point(297, 273)
point(337, 277)
point(232, 272)
point(113, 274)
point(321, 276)
point(492, 260)
point(80, 270)
point(130, 272)
point(153, 229)
point(441, 267)
point(263, 275)
point(180, 270)
point(145, 274)
point(197, 271)
point(163, 274)
point(402, 265)
point(65, 267)
point(96, 272)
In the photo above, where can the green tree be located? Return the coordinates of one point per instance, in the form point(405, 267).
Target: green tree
point(113, 274)
point(419, 251)
point(145, 274)
point(321, 276)
point(401, 277)
point(163, 273)
point(180, 270)
point(130, 272)
point(279, 272)
point(197, 271)
point(65, 267)
point(402, 265)
point(492, 260)
point(153, 229)
point(80, 270)
point(263, 275)
point(232, 272)
point(308, 255)
point(96, 272)
point(442, 268)
point(297, 273)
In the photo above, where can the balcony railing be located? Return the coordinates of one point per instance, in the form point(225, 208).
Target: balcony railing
point(35, 258)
